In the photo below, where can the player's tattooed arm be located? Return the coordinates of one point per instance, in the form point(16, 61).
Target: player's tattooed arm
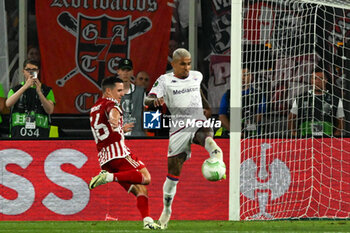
point(149, 100)
point(152, 102)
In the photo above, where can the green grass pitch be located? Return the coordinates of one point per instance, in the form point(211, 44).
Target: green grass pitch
point(175, 226)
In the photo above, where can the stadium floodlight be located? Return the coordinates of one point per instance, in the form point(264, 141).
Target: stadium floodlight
point(293, 161)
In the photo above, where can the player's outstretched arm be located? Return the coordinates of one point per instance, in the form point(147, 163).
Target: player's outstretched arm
point(149, 100)
point(152, 102)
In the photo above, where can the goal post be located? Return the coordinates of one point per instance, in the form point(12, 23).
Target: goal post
point(235, 100)
point(290, 98)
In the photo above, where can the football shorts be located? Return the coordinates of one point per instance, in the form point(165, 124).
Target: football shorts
point(180, 142)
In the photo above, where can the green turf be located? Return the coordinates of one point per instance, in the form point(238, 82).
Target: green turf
point(175, 226)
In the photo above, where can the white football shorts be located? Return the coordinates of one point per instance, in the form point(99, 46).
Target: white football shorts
point(180, 142)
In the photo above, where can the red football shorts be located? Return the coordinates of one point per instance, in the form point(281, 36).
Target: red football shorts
point(130, 162)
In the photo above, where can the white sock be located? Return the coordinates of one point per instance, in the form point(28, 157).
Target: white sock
point(213, 149)
point(109, 177)
point(169, 191)
point(147, 220)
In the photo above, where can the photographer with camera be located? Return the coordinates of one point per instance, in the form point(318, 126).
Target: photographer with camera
point(31, 104)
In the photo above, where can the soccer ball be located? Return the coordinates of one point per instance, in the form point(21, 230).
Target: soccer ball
point(213, 169)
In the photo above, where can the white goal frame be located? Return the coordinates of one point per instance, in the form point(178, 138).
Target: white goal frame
point(235, 100)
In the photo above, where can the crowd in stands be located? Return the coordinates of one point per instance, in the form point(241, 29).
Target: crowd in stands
point(316, 112)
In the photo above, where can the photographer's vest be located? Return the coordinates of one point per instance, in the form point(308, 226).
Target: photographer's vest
point(28, 117)
point(317, 114)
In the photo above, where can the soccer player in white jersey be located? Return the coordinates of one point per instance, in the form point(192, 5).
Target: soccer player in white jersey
point(180, 91)
point(116, 160)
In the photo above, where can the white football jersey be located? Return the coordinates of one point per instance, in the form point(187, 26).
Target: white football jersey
point(181, 96)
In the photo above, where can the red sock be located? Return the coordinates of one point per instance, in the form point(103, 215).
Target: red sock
point(131, 177)
point(142, 205)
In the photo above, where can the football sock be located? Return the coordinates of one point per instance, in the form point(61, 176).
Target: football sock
point(213, 149)
point(109, 177)
point(131, 177)
point(169, 191)
point(142, 205)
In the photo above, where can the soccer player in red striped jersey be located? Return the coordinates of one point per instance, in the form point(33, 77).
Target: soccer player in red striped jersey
point(117, 162)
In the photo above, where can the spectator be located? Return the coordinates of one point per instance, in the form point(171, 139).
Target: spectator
point(224, 115)
point(33, 54)
point(181, 17)
point(253, 106)
point(132, 101)
point(173, 45)
point(142, 80)
point(31, 104)
point(318, 113)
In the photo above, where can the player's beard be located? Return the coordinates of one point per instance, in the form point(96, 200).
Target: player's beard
point(185, 74)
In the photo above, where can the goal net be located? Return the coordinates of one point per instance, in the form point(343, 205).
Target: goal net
point(295, 150)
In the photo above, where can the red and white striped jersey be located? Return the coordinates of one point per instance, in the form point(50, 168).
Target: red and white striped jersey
point(110, 143)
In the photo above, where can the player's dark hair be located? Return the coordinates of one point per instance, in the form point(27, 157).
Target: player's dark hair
point(109, 82)
point(32, 62)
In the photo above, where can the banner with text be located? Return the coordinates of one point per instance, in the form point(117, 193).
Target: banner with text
point(48, 180)
point(81, 42)
point(303, 178)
